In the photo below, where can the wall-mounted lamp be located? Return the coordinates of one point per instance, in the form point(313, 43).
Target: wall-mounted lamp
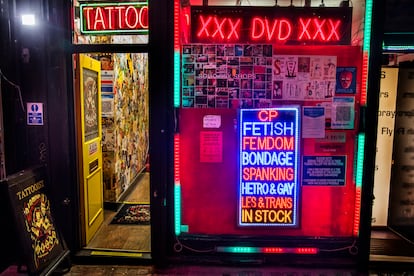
point(28, 19)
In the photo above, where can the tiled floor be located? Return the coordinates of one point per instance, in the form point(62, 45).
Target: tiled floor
point(123, 236)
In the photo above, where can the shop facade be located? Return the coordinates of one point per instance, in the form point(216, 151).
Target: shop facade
point(243, 126)
point(271, 161)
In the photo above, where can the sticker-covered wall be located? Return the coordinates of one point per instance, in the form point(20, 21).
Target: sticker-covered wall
point(125, 121)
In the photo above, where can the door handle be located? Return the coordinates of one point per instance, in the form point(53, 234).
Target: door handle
point(66, 202)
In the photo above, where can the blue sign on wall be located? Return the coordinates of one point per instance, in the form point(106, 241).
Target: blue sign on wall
point(35, 114)
point(324, 170)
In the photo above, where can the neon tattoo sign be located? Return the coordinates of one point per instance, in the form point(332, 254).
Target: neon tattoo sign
point(278, 26)
point(268, 167)
point(130, 17)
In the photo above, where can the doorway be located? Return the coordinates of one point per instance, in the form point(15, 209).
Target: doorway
point(115, 210)
point(392, 214)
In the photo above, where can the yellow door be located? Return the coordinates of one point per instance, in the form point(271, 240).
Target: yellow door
point(88, 102)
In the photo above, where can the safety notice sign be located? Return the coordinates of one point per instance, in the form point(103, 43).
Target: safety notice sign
point(35, 114)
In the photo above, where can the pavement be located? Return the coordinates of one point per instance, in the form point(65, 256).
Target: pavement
point(200, 270)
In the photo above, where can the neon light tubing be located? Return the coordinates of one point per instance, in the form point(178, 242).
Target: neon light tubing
point(366, 50)
point(360, 159)
point(357, 215)
point(177, 186)
point(268, 250)
point(364, 87)
point(398, 48)
point(176, 53)
point(358, 181)
point(367, 28)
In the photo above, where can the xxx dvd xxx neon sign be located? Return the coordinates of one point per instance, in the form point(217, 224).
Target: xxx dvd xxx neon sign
point(268, 166)
point(277, 25)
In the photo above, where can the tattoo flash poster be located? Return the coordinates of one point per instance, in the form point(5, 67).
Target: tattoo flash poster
point(304, 77)
point(250, 76)
point(39, 239)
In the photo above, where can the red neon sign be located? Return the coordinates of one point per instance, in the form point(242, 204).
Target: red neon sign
point(277, 29)
point(115, 17)
point(294, 26)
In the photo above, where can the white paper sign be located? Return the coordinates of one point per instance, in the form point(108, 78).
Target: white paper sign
point(212, 121)
point(313, 125)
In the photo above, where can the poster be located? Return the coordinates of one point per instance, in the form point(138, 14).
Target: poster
point(40, 240)
point(107, 86)
point(346, 80)
point(252, 76)
point(385, 139)
point(304, 77)
point(89, 89)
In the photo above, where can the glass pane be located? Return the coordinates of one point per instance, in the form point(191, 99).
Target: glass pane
point(103, 22)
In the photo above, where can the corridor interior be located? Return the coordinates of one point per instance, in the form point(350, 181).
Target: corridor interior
point(125, 142)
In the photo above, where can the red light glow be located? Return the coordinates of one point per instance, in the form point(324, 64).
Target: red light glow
point(176, 25)
point(273, 250)
point(284, 250)
point(261, 28)
point(357, 211)
point(306, 250)
point(267, 115)
point(176, 158)
point(364, 79)
point(114, 17)
point(324, 30)
point(225, 29)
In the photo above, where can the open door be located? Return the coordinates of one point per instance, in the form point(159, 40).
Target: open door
point(88, 117)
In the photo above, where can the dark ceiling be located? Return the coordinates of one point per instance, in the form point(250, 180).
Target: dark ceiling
point(399, 16)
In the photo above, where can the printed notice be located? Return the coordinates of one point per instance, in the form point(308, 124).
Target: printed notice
point(313, 124)
point(324, 170)
point(211, 146)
